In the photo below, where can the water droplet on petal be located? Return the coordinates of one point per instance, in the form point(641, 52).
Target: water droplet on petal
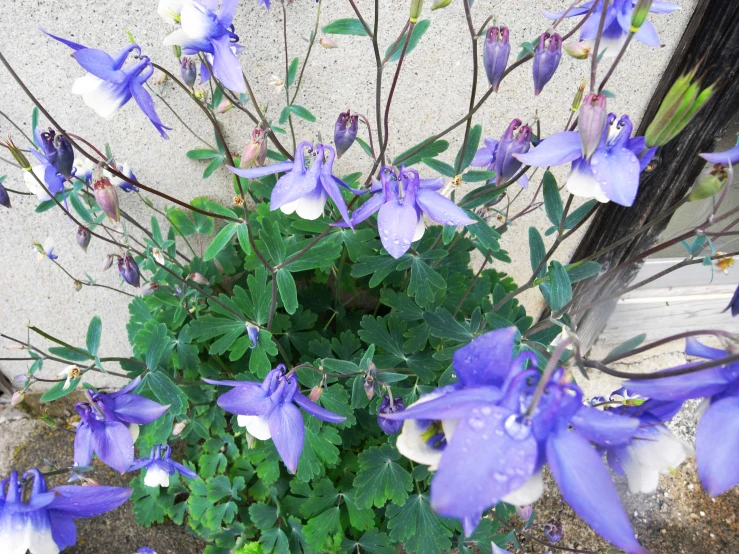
point(518, 427)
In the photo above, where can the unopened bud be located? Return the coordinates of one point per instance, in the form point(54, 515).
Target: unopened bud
point(546, 60)
point(178, 428)
point(188, 72)
point(129, 270)
point(199, 278)
point(108, 261)
point(327, 42)
point(680, 105)
point(525, 512)
point(553, 530)
point(158, 256)
point(369, 382)
point(149, 288)
point(390, 426)
point(252, 154)
point(711, 181)
point(17, 154)
point(639, 15)
point(315, 393)
point(578, 50)
point(4, 197)
point(592, 123)
point(77, 285)
point(345, 132)
point(253, 333)
point(17, 398)
point(199, 93)
point(107, 198)
point(438, 4)
point(416, 6)
point(495, 54)
point(224, 106)
point(578, 96)
point(83, 237)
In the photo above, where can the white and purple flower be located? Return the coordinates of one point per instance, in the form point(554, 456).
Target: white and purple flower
point(498, 155)
point(160, 467)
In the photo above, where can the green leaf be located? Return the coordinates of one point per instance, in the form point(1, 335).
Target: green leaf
point(473, 141)
point(272, 238)
point(320, 527)
point(275, 541)
point(292, 71)
point(366, 147)
point(381, 479)
point(372, 542)
point(34, 123)
point(417, 526)
point(80, 208)
point(552, 199)
point(167, 392)
point(202, 154)
point(288, 291)
point(319, 450)
point(424, 149)
point(420, 28)
point(182, 223)
point(576, 216)
point(443, 325)
point(58, 391)
point(537, 250)
point(424, 281)
point(627, 346)
point(477, 175)
point(212, 166)
point(583, 271)
point(77, 355)
point(302, 113)
point(561, 288)
point(94, 331)
point(439, 166)
point(486, 235)
point(263, 515)
point(386, 333)
point(348, 26)
point(220, 241)
point(377, 266)
point(158, 344)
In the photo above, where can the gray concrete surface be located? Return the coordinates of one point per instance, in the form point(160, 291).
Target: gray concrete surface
point(432, 93)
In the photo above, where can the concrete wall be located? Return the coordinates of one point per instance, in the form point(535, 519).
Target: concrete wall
point(433, 92)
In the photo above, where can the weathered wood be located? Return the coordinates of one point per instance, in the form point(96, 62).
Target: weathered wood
point(712, 38)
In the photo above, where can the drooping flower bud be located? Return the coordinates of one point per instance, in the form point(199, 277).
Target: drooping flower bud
point(388, 406)
point(17, 398)
point(108, 261)
point(315, 393)
point(327, 42)
point(107, 198)
point(369, 381)
point(511, 143)
point(129, 270)
point(592, 123)
point(524, 512)
point(77, 285)
point(712, 180)
point(199, 278)
point(680, 105)
point(188, 72)
point(252, 154)
point(578, 50)
point(4, 197)
point(495, 54)
point(65, 157)
point(83, 237)
point(546, 60)
point(345, 132)
point(416, 6)
point(253, 333)
point(639, 15)
point(149, 288)
point(553, 530)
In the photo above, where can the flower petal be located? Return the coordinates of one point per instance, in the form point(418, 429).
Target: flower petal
point(84, 502)
point(431, 184)
point(397, 224)
point(72, 45)
point(617, 171)
point(186, 42)
point(63, 529)
point(581, 182)
point(286, 427)
point(113, 445)
point(100, 64)
point(256, 172)
point(717, 444)
point(364, 211)
point(441, 209)
point(317, 411)
point(586, 485)
point(83, 445)
point(693, 347)
point(648, 35)
point(604, 427)
point(557, 149)
point(481, 464)
point(133, 408)
point(487, 359)
point(247, 399)
point(139, 464)
point(699, 384)
point(730, 156)
point(483, 158)
point(184, 471)
point(658, 6)
point(226, 66)
point(332, 189)
point(197, 22)
point(143, 99)
point(291, 187)
point(452, 405)
point(226, 13)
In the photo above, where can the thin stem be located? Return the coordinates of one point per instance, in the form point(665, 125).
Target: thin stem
point(378, 80)
point(662, 373)
point(615, 62)
point(547, 374)
point(596, 46)
point(307, 55)
point(666, 340)
point(87, 284)
point(21, 131)
point(264, 121)
point(185, 125)
point(473, 93)
point(287, 72)
point(361, 20)
point(369, 134)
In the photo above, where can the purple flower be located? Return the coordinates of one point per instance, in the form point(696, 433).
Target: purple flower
point(145, 550)
point(734, 304)
point(717, 435)
point(400, 205)
point(389, 426)
point(270, 411)
point(546, 60)
point(617, 23)
point(160, 466)
point(498, 155)
point(495, 54)
point(116, 181)
point(497, 441)
point(304, 189)
point(45, 523)
point(54, 168)
point(553, 530)
point(203, 29)
point(253, 333)
point(4, 197)
point(727, 157)
point(345, 132)
point(612, 172)
point(108, 85)
point(129, 270)
point(188, 72)
point(109, 425)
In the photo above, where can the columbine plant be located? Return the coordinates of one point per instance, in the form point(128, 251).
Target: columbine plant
point(336, 382)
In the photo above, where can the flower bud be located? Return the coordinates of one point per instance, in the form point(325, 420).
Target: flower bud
point(578, 50)
point(83, 237)
point(253, 333)
point(390, 426)
point(592, 123)
point(525, 512)
point(711, 181)
point(17, 154)
point(65, 157)
point(108, 261)
point(157, 255)
point(440, 4)
point(77, 285)
point(506, 165)
point(680, 105)
point(129, 270)
point(17, 398)
point(639, 15)
point(315, 393)
point(327, 42)
point(88, 482)
point(252, 154)
point(149, 288)
point(553, 531)
point(416, 6)
point(369, 386)
point(546, 60)
point(198, 278)
point(107, 198)
point(345, 132)
point(188, 72)
point(224, 106)
point(4, 197)
point(178, 428)
point(578, 96)
point(495, 54)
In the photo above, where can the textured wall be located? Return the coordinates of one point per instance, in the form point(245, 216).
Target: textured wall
point(433, 92)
